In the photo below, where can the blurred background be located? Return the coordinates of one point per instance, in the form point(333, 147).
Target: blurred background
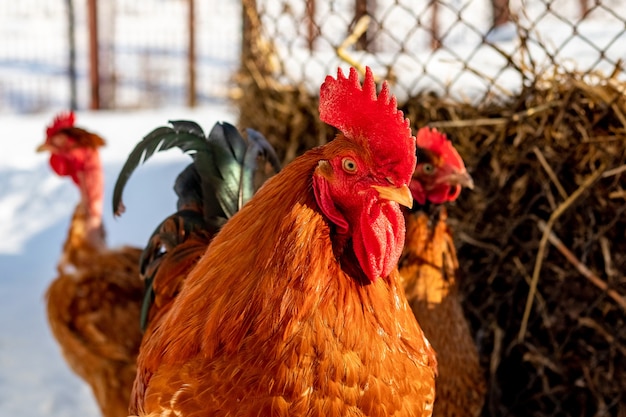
point(123, 54)
point(530, 91)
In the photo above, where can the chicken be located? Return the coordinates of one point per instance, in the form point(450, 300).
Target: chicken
point(429, 269)
point(226, 171)
point(98, 291)
point(296, 306)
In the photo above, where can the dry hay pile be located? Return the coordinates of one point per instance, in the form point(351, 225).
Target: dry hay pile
point(555, 154)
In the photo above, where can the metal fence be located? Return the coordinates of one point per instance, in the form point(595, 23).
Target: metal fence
point(31, 70)
point(143, 54)
point(466, 49)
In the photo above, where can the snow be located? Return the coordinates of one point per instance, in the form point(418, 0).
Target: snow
point(35, 205)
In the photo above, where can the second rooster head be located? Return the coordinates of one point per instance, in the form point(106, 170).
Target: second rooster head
point(440, 172)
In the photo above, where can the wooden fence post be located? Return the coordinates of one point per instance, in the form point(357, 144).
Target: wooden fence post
point(191, 54)
point(501, 12)
point(311, 26)
point(251, 28)
point(249, 18)
point(94, 62)
point(435, 41)
point(584, 8)
point(71, 40)
point(362, 8)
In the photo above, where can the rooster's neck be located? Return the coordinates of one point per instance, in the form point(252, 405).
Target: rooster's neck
point(86, 235)
point(428, 262)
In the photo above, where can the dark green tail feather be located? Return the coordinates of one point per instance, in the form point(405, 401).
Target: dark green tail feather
point(225, 161)
point(237, 160)
point(187, 136)
point(222, 178)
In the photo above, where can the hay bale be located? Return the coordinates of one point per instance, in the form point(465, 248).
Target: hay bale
point(563, 355)
point(527, 158)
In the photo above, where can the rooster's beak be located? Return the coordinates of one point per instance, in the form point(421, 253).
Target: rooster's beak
point(464, 179)
point(43, 147)
point(401, 195)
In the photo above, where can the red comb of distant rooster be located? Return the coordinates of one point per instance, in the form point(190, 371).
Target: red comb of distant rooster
point(434, 140)
point(360, 114)
point(61, 121)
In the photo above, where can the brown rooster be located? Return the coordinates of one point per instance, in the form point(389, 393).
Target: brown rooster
point(93, 305)
point(296, 308)
point(429, 269)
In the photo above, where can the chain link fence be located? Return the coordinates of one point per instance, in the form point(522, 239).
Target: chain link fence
point(464, 49)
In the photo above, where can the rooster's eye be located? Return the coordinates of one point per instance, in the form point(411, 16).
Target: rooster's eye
point(58, 141)
point(428, 168)
point(349, 165)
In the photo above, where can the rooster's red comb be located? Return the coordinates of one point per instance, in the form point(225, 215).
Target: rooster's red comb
point(61, 121)
point(361, 115)
point(437, 142)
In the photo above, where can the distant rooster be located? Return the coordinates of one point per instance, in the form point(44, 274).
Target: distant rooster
point(227, 170)
point(429, 269)
point(93, 306)
point(295, 308)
